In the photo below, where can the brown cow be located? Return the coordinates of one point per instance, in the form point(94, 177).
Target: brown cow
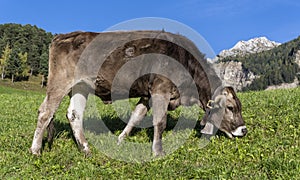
point(164, 67)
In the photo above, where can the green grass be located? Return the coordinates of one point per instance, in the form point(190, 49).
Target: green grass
point(271, 149)
point(33, 84)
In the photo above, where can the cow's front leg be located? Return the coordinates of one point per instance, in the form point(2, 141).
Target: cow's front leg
point(159, 107)
point(45, 115)
point(75, 117)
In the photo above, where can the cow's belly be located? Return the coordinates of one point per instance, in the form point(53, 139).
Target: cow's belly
point(109, 93)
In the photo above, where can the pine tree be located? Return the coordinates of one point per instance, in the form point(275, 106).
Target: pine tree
point(12, 65)
point(17, 66)
point(4, 59)
point(24, 68)
point(43, 68)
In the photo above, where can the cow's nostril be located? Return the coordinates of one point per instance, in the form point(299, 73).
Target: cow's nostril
point(244, 130)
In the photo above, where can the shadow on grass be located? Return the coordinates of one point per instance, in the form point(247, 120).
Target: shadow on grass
point(55, 130)
point(115, 125)
point(108, 124)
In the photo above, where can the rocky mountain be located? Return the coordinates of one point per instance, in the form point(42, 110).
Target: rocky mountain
point(254, 45)
point(259, 64)
point(233, 73)
point(297, 58)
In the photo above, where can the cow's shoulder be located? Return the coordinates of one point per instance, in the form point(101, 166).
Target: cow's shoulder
point(72, 41)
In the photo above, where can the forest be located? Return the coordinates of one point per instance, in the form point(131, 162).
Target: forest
point(273, 67)
point(23, 51)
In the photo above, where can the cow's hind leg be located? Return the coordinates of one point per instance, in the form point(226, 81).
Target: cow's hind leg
point(45, 115)
point(136, 117)
point(75, 117)
point(50, 133)
point(159, 107)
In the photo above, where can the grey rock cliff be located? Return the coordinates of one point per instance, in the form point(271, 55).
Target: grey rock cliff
point(297, 58)
point(233, 74)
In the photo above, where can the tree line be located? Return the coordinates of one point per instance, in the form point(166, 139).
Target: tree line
point(273, 67)
point(23, 51)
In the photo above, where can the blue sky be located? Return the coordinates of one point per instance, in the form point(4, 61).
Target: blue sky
point(221, 22)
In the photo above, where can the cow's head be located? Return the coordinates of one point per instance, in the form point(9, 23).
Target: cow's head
point(224, 113)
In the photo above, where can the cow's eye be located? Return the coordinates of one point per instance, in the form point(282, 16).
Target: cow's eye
point(230, 108)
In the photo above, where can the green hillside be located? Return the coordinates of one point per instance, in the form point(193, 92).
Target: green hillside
point(274, 66)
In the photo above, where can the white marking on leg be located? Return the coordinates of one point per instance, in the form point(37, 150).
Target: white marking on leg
point(75, 116)
point(136, 117)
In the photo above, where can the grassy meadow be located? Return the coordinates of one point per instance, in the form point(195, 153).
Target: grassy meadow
point(270, 150)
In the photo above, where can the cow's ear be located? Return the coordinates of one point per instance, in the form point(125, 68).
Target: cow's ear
point(217, 110)
point(214, 116)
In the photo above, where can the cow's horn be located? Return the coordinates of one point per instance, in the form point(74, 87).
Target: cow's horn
point(209, 104)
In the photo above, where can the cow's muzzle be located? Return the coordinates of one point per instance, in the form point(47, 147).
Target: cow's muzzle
point(240, 131)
